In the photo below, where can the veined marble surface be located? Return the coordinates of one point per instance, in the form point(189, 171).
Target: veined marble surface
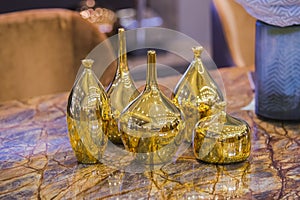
point(37, 162)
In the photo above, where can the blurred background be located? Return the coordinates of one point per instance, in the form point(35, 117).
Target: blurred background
point(197, 19)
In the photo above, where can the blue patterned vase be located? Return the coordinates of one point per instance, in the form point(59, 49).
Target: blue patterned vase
point(277, 72)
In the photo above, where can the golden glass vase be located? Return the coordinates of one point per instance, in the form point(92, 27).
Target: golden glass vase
point(196, 93)
point(152, 127)
point(122, 90)
point(88, 114)
point(221, 139)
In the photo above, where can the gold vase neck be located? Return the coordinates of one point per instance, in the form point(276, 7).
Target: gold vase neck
point(197, 62)
point(222, 117)
point(151, 79)
point(122, 57)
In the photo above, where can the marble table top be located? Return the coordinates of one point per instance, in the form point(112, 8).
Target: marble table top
point(37, 162)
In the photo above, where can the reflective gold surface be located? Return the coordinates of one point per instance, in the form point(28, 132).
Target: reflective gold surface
point(221, 139)
point(152, 126)
point(88, 114)
point(196, 92)
point(122, 90)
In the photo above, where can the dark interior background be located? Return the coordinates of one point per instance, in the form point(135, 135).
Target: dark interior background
point(220, 52)
point(16, 5)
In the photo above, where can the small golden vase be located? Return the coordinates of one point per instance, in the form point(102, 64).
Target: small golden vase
point(152, 127)
point(196, 93)
point(122, 90)
point(221, 139)
point(88, 114)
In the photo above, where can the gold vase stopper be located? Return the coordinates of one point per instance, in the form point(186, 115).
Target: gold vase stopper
point(122, 90)
point(152, 126)
point(88, 114)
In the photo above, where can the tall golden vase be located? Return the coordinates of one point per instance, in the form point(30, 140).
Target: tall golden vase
point(122, 90)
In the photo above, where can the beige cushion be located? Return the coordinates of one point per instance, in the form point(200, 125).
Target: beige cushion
point(41, 51)
point(239, 29)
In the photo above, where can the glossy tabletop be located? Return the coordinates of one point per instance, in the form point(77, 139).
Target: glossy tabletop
point(37, 162)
